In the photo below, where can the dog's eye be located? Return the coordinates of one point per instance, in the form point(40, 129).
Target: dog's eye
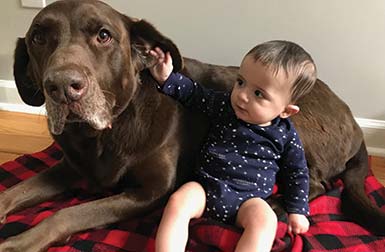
point(104, 36)
point(38, 38)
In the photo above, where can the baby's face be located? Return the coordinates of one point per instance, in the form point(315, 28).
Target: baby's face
point(259, 95)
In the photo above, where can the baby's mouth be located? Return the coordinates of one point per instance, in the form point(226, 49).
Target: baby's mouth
point(241, 109)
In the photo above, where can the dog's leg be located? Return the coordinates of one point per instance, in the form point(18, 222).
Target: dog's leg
point(355, 202)
point(35, 190)
point(156, 177)
point(60, 226)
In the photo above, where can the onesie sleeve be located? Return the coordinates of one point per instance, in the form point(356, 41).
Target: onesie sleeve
point(294, 166)
point(193, 95)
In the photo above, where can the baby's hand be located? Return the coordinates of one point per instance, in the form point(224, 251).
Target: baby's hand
point(298, 224)
point(163, 68)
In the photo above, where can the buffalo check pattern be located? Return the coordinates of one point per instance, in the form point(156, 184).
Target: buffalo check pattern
point(330, 230)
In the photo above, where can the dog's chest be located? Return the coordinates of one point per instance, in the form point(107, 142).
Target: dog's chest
point(101, 155)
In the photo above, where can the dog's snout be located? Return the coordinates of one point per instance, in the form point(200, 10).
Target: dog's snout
point(65, 86)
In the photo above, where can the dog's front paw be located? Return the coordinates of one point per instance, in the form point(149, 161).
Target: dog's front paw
point(3, 219)
point(5, 207)
point(9, 245)
point(18, 244)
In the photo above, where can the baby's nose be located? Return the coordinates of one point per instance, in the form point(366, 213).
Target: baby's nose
point(243, 97)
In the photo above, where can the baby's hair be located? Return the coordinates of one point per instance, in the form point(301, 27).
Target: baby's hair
point(293, 59)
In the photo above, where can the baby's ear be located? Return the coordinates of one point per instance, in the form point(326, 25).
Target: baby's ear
point(290, 110)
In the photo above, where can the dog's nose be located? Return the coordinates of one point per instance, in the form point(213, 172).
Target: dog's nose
point(65, 85)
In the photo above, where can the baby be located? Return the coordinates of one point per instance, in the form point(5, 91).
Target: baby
point(250, 138)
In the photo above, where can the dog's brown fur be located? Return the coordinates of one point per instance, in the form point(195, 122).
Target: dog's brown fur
point(115, 128)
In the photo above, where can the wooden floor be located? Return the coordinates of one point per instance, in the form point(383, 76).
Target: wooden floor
point(22, 133)
point(25, 133)
point(378, 167)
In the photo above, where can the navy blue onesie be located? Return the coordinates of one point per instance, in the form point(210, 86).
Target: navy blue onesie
point(239, 160)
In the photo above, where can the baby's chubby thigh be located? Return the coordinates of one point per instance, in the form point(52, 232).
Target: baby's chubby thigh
point(259, 224)
point(256, 212)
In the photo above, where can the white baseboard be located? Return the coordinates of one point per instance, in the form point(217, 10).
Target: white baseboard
point(10, 100)
point(374, 130)
point(7, 84)
point(374, 134)
point(22, 108)
point(379, 152)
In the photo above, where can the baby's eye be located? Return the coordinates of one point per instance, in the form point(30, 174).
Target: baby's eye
point(239, 82)
point(258, 93)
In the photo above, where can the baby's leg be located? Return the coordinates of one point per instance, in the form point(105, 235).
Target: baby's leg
point(186, 203)
point(260, 225)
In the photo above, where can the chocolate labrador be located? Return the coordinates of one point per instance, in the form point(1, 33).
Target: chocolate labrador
point(88, 63)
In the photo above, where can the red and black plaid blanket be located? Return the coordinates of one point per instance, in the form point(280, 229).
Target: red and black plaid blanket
point(330, 230)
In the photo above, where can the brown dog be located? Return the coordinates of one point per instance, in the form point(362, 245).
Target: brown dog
point(88, 63)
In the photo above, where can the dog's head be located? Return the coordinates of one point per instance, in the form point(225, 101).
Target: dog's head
point(83, 59)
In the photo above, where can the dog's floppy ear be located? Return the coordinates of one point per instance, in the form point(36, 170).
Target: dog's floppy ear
point(145, 37)
point(28, 90)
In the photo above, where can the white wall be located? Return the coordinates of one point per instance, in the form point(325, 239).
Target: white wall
point(13, 23)
point(345, 37)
